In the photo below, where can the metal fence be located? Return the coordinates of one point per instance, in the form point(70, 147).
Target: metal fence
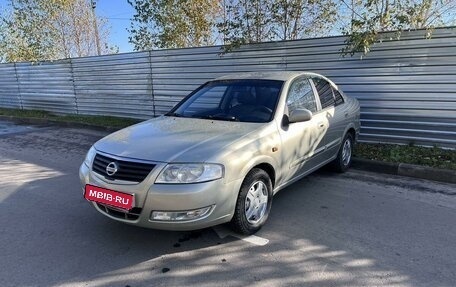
point(407, 88)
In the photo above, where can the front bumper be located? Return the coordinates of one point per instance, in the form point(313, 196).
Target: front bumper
point(149, 197)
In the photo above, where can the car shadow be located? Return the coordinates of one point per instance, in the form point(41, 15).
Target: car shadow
point(55, 238)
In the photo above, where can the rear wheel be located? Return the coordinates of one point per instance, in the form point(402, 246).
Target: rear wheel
point(253, 203)
point(344, 156)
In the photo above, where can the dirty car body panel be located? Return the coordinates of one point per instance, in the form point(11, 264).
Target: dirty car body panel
point(185, 169)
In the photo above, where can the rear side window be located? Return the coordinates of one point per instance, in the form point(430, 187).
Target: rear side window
point(325, 92)
point(301, 96)
point(338, 97)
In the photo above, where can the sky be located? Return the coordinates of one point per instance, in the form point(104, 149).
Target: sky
point(119, 13)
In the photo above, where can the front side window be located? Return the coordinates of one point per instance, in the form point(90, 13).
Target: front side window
point(325, 92)
point(301, 96)
point(232, 100)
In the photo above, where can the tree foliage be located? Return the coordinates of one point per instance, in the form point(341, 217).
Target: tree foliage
point(33, 30)
point(246, 22)
point(76, 29)
point(302, 18)
point(173, 23)
point(36, 30)
point(187, 23)
point(252, 21)
point(27, 35)
point(372, 17)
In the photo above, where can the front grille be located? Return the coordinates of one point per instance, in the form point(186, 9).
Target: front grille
point(127, 170)
point(133, 214)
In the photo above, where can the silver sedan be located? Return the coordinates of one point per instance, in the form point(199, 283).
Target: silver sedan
point(222, 153)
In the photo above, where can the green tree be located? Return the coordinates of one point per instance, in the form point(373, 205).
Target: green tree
point(246, 21)
point(36, 30)
point(173, 23)
point(295, 19)
point(26, 34)
point(372, 17)
point(253, 21)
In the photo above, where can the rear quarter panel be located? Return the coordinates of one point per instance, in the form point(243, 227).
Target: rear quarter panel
point(353, 119)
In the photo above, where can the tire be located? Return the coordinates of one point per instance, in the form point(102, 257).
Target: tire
point(251, 211)
point(344, 155)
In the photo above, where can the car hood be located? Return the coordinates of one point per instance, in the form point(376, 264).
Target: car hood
point(172, 139)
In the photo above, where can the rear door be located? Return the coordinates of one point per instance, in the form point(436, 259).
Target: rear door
point(332, 109)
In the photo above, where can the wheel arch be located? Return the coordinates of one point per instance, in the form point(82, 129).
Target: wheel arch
point(265, 163)
point(269, 169)
point(350, 129)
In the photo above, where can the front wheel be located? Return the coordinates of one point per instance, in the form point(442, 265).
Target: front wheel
point(344, 156)
point(253, 203)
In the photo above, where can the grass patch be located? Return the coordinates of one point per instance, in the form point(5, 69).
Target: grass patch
point(102, 121)
point(433, 157)
point(24, 113)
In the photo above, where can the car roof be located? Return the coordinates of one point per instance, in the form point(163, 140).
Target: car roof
point(276, 75)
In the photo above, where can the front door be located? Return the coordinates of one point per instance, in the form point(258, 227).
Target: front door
point(302, 142)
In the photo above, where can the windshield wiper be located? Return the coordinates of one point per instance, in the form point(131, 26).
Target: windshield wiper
point(222, 118)
point(173, 115)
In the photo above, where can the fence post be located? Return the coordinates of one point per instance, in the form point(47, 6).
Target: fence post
point(152, 81)
point(74, 86)
point(18, 87)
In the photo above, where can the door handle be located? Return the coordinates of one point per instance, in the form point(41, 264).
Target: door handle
point(321, 125)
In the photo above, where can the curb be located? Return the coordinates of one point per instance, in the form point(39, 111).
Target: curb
point(43, 121)
point(405, 169)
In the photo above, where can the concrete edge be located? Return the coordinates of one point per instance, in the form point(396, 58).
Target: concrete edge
point(404, 169)
point(44, 121)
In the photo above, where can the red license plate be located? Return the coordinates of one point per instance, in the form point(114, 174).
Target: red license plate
point(109, 197)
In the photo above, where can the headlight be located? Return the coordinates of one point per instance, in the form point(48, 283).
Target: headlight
point(90, 156)
point(190, 173)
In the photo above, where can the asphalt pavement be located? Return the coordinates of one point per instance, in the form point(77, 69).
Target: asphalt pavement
point(352, 229)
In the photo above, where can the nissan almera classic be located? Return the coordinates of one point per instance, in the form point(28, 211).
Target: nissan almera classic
point(222, 153)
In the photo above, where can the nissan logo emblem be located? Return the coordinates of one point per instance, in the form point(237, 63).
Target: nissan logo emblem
point(111, 168)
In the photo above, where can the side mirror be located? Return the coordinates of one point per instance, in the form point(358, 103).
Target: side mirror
point(300, 115)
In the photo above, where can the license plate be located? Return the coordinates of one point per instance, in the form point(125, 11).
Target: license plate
point(109, 197)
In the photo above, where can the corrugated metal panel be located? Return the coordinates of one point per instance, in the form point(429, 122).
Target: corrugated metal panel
point(9, 88)
point(116, 85)
point(407, 88)
point(179, 71)
point(47, 86)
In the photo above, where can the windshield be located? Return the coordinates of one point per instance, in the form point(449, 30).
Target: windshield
point(232, 100)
